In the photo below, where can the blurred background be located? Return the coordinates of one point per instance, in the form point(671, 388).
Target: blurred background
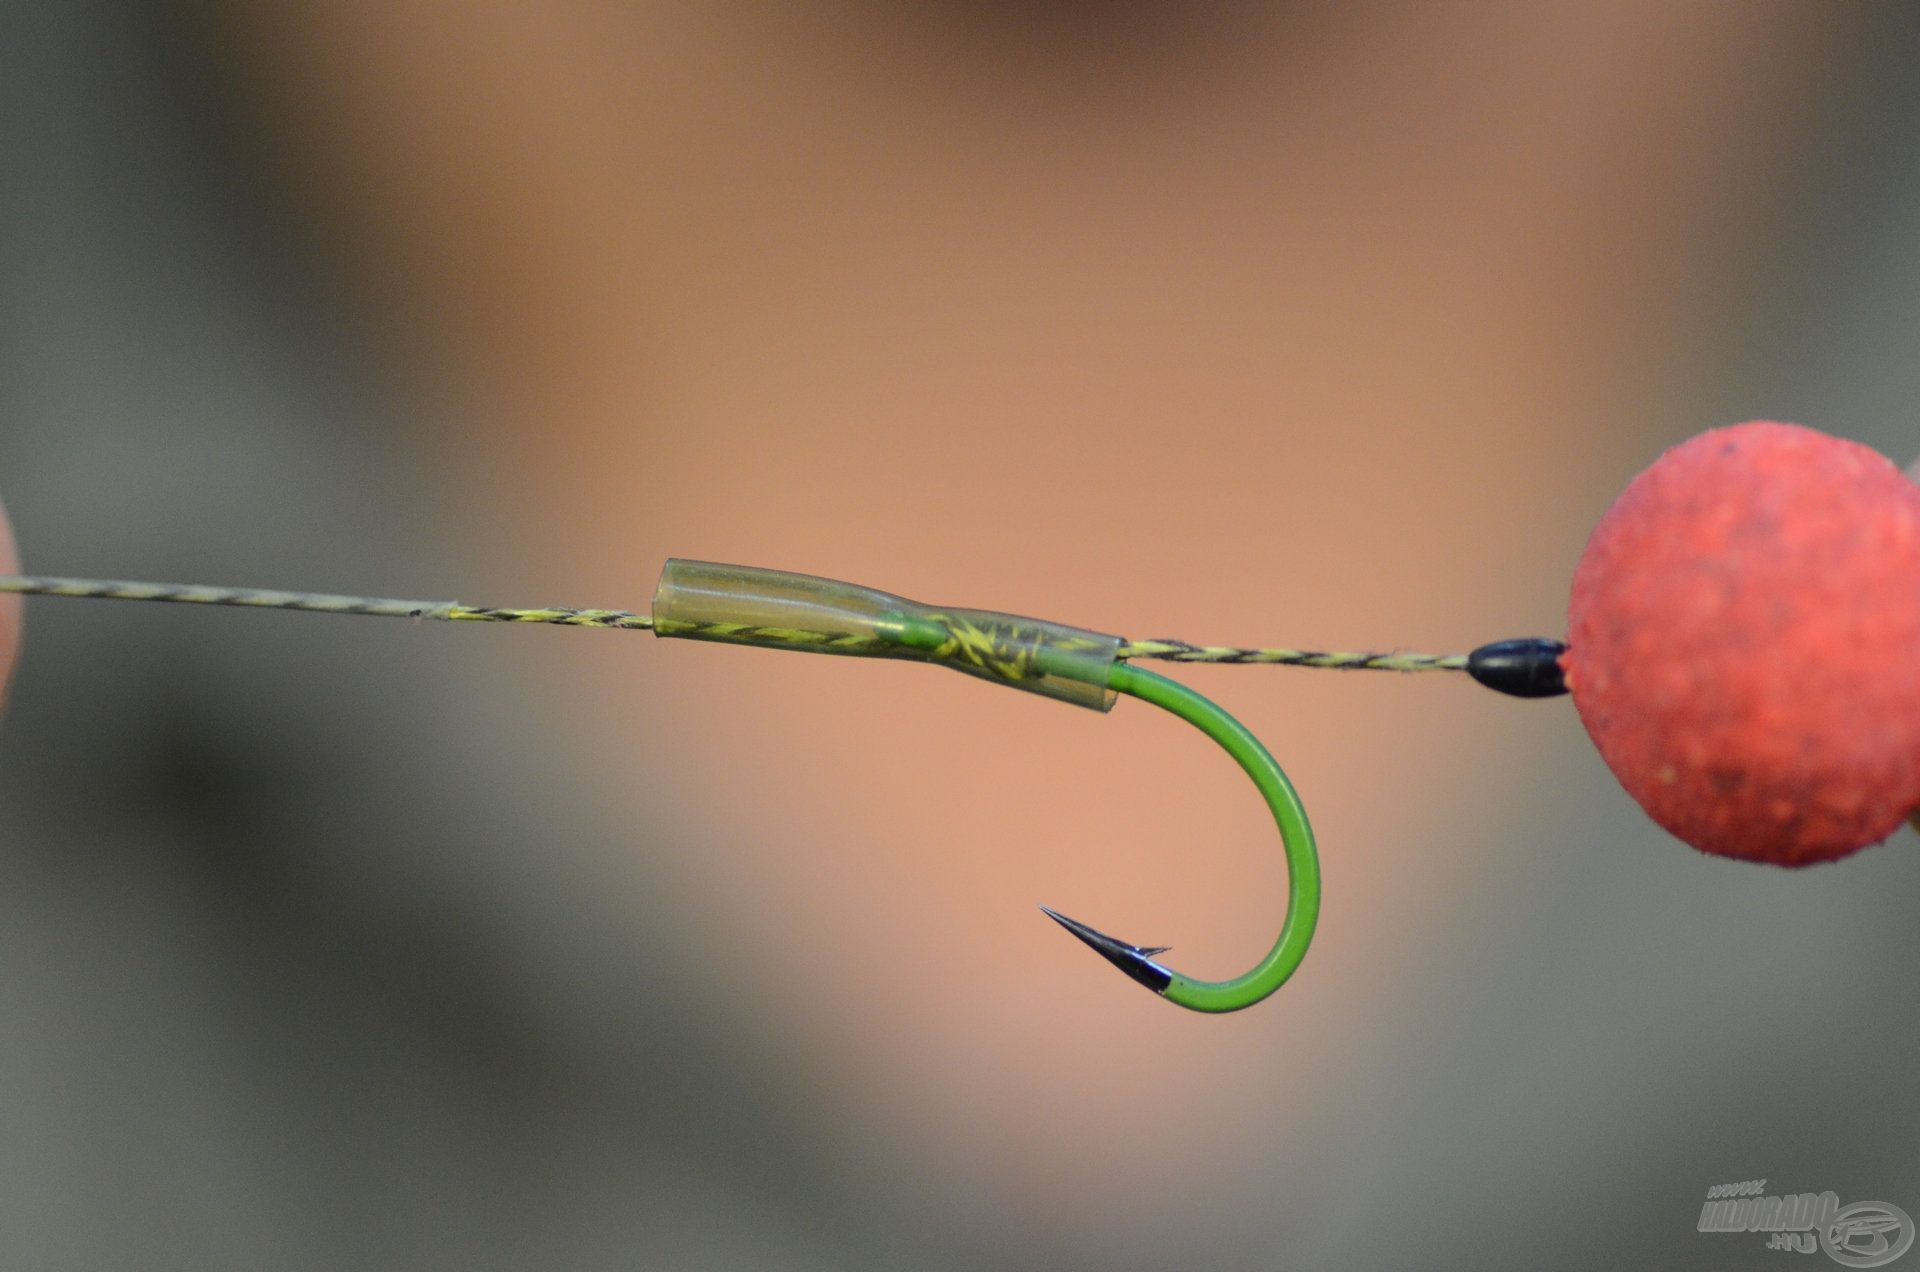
point(334, 943)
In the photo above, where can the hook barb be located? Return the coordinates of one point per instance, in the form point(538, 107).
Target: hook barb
point(1136, 961)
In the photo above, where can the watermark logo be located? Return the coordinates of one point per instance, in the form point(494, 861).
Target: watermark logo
point(1866, 1234)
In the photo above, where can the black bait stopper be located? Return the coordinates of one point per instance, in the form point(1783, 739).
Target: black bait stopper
point(1525, 668)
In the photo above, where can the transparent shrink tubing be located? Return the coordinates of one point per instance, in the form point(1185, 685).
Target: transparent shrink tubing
point(746, 605)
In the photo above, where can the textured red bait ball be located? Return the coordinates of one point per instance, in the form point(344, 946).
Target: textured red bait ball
point(1744, 643)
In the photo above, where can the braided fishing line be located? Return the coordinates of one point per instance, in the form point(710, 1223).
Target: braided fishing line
point(1166, 650)
point(746, 605)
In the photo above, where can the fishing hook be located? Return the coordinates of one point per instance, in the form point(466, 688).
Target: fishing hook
point(1296, 838)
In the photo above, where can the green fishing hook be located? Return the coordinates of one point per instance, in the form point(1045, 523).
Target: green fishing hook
point(1059, 651)
point(1296, 837)
point(745, 605)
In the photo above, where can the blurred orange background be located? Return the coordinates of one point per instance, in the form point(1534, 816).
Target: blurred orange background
point(1316, 325)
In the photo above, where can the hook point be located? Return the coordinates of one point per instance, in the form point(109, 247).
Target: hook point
point(1136, 961)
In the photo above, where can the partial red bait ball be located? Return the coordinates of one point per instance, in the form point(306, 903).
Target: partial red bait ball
point(1744, 643)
